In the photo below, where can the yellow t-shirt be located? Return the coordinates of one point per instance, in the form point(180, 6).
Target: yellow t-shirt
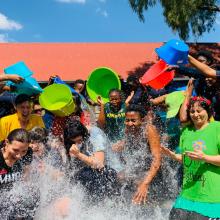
point(11, 122)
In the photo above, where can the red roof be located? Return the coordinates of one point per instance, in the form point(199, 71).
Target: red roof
point(76, 60)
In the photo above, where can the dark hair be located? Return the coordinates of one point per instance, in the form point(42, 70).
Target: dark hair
point(136, 108)
point(203, 103)
point(79, 81)
point(133, 79)
point(72, 130)
point(114, 90)
point(207, 54)
point(38, 134)
point(20, 135)
point(22, 98)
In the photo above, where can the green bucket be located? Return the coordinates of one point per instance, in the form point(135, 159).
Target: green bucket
point(57, 98)
point(100, 82)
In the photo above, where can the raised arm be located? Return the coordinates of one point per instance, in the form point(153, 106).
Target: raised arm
point(207, 71)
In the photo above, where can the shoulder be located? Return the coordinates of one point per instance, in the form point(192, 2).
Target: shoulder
point(9, 118)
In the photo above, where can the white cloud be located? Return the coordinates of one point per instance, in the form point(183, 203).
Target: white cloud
point(72, 1)
point(102, 12)
point(8, 24)
point(4, 38)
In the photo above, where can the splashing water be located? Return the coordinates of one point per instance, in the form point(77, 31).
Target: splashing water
point(47, 191)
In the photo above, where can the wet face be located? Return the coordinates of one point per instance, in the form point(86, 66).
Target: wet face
point(198, 115)
point(115, 99)
point(16, 150)
point(38, 148)
point(24, 110)
point(133, 121)
point(77, 140)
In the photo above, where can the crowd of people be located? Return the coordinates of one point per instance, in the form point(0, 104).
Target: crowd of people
point(120, 153)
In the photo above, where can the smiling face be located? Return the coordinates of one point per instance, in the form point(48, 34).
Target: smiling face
point(198, 114)
point(24, 110)
point(115, 99)
point(133, 121)
point(16, 150)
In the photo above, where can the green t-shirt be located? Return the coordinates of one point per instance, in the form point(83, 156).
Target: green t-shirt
point(115, 122)
point(201, 181)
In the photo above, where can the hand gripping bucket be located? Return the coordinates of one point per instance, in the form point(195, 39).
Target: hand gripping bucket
point(57, 99)
point(157, 77)
point(100, 82)
point(174, 52)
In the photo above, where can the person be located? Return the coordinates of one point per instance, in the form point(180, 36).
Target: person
point(140, 153)
point(112, 115)
point(199, 198)
point(140, 94)
point(13, 166)
point(21, 119)
point(85, 150)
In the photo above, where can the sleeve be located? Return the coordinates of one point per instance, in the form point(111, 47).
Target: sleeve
point(182, 134)
point(190, 72)
point(97, 139)
point(2, 130)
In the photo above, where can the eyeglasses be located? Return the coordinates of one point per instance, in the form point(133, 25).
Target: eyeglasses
point(38, 110)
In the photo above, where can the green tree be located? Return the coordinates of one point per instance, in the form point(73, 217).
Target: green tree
point(183, 16)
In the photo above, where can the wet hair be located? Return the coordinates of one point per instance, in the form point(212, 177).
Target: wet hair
point(72, 130)
point(136, 108)
point(204, 103)
point(207, 54)
point(20, 135)
point(114, 90)
point(21, 99)
point(38, 134)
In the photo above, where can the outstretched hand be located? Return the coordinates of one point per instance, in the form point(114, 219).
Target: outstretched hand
point(140, 196)
point(100, 100)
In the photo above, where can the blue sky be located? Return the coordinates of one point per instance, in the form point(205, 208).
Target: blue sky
point(84, 21)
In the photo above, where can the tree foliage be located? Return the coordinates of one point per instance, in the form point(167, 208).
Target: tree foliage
point(183, 16)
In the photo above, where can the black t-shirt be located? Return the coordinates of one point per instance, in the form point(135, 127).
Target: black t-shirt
point(9, 175)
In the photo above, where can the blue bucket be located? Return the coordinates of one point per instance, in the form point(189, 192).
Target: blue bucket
point(183, 88)
point(20, 69)
point(174, 52)
point(29, 86)
point(57, 80)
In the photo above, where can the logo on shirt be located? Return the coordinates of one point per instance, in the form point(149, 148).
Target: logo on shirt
point(199, 145)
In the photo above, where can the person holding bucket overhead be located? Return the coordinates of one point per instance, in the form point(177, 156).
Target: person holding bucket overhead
point(21, 119)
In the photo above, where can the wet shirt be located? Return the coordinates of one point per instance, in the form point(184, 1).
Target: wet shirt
point(201, 180)
point(115, 118)
point(136, 155)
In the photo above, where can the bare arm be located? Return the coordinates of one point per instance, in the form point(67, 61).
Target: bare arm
point(159, 100)
point(171, 154)
point(183, 116)
point(207, 71)
point(154, 141)
point(13, 77)
point(101, 118)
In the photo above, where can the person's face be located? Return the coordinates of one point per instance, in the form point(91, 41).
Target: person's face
point(203, 59)
point(79, 87)
point(38, 110)
point(77, 140)
point(198, 115)
point(24, 109)
point(38, 148)
point(210, 81)
point(115, 99)
point(16, 150)
point(133, 120)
